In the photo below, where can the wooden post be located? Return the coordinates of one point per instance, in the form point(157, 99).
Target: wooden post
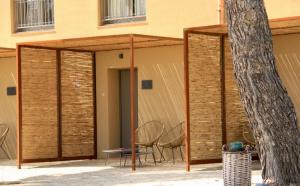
point(132, 109)
point(95, 106)
point(19, 108)
point(223, 89)
point(187, 103)
point(59, 103)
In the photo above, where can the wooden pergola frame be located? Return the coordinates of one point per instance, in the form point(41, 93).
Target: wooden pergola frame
point(94, 44)
point(280, 26)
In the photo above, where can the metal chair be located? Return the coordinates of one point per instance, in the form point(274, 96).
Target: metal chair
point(248, 135)
point(148, 134)
point(172, 139)
point(3, 134)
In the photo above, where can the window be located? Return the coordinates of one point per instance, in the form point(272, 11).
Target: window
point(34, 15)
point(121, 11)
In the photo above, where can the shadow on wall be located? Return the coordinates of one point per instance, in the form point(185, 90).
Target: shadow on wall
point(8, 113)
point(165, 101)
point(287, 53)
point(288, 66)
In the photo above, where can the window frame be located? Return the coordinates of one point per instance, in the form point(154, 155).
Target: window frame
point(29, 29)
point(120, 21)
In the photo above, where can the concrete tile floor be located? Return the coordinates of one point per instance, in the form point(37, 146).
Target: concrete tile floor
point(94, 172)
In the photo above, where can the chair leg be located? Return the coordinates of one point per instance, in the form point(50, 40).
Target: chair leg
point(140, 162)
point(6, 152)
point(125, 160)
point(153, 156)
point(173, 155)
point(181, 153)
point(106, 160)
point(162, 154)
point(146, 154)
point(121, 159)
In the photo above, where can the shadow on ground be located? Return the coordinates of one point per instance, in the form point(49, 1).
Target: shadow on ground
point(93, 172)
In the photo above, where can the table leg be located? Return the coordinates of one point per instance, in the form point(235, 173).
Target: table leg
point(121, 159)
point(107, 156)
point(125, 160)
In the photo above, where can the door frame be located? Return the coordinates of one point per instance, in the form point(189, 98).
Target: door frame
point(120, 98)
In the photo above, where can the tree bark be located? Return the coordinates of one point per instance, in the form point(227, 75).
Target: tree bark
point(269, 109)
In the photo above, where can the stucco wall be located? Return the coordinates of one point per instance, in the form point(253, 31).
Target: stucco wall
point(163, 65)
point(287, 53)
point(165, 18)
point(8, 103)
point(280, 8)
point(78, 18)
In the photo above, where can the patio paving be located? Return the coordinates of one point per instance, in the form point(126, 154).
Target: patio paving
point(94, 172)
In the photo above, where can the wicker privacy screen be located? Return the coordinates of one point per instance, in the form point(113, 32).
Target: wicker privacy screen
point(236, 118)
point(39, 104)
point(77, 104)
point(216, 112)
point(57, 105)
point(205, 97)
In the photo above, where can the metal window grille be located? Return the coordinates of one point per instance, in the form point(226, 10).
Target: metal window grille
point(32, 15)
point(120, 11)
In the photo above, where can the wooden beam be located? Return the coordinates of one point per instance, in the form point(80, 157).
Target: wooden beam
point(19, 108)
point(132, 108)
point(125, 36)
point(54, 48)
point(204, 33)
point(78, 47)
point(156, 37)
point(156, 46)
point(57, 159)
point(208, 161)
point(187, 102)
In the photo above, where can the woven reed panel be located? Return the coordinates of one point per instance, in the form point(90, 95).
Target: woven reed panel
point(39, 103)
point(77, 104)
point(235, 113)
point(205, 97)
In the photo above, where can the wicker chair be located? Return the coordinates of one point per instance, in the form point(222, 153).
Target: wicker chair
point(148, 134)
point(248, 135)
point(3, 134)
point(173, 139)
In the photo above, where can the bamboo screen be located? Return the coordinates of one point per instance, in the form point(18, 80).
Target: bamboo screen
point(77, 104)
point(235, 114)
point(205, 97)
point(39, 104)
point(57, 105)
point(205, 91)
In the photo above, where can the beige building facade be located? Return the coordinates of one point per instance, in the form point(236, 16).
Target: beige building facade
point(163, 65)
point(78, 18)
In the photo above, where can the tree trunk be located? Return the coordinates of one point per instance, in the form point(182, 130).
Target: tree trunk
point(269, 109)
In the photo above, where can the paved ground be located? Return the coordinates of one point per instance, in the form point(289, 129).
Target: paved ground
point(94, 172)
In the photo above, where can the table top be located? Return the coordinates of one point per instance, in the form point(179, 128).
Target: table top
point(124, 150)
point(118, 150)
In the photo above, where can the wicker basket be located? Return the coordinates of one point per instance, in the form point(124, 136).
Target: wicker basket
point(237, 168)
